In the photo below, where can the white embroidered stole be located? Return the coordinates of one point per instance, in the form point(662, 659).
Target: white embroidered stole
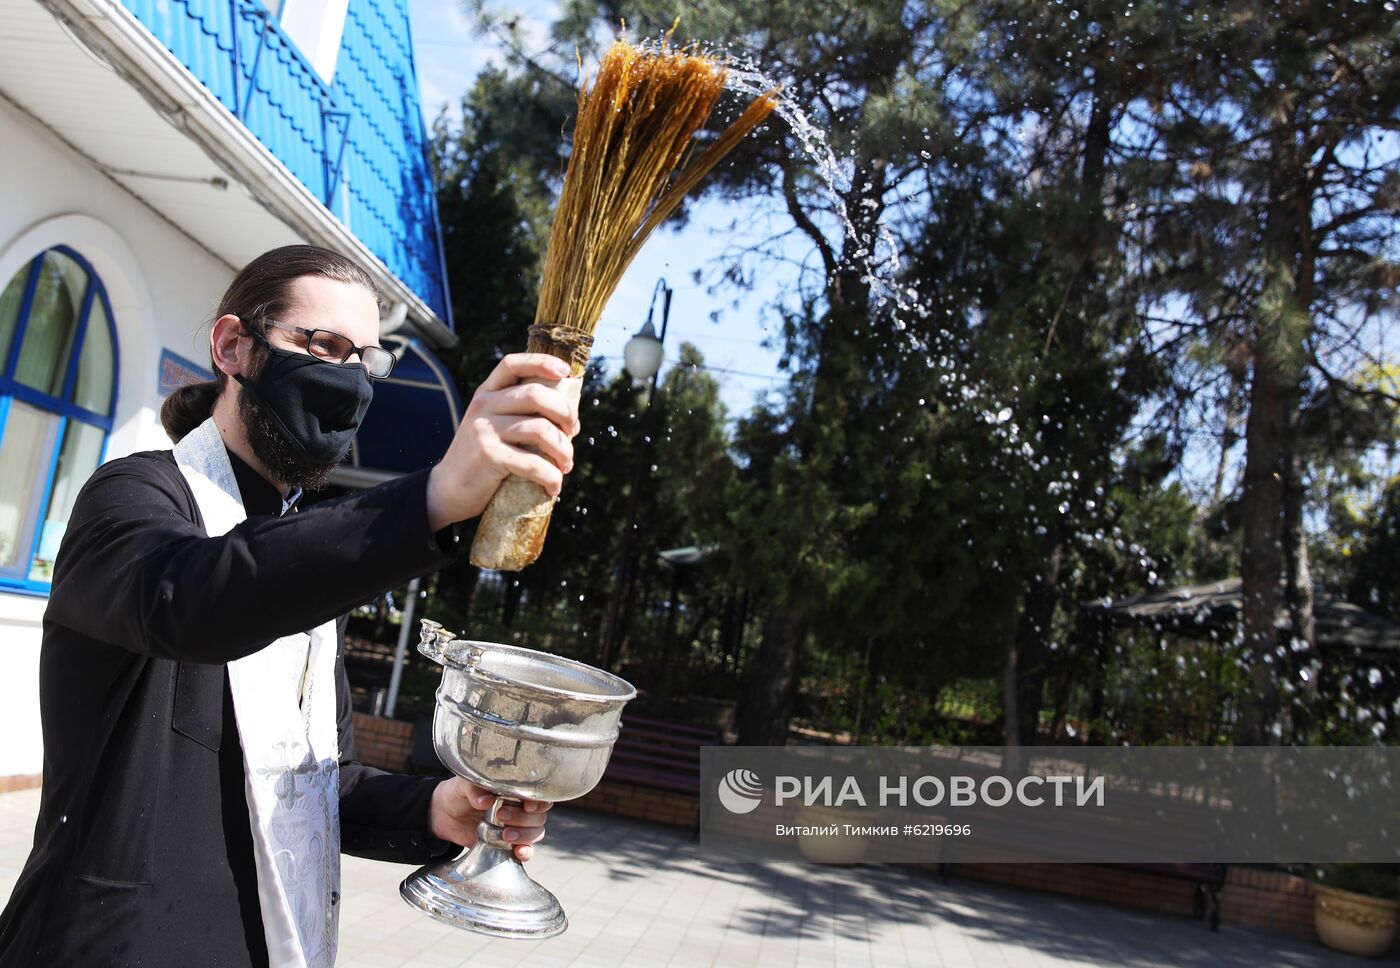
point(290, 746)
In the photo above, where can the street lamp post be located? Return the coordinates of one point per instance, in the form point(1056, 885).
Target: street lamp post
point(642, 358)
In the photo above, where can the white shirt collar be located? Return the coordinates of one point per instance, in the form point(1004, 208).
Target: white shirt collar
point(291, 500)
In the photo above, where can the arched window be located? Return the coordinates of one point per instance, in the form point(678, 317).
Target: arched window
point(58, 388)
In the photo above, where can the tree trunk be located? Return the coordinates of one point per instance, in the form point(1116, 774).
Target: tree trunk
point(1028, 653)
point(1261, 554)
point(682, 664)
point(1298, 571)
point(1229, 436)
point(771, 691)
point(1277, 375)
point(1032, 650)
point(866, 687)
point(735, 644)
point(1010, 689)
point(1103, 647)
point(668, 637)
point(1082, 647)
point(1298, 591)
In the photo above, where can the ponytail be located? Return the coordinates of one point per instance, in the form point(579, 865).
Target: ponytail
point(187, 408)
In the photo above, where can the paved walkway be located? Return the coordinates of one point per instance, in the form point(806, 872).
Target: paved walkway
point(641, 894)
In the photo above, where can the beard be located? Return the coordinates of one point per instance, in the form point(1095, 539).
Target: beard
point(277, 454)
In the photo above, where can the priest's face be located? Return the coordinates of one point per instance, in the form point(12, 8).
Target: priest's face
point(315, 303)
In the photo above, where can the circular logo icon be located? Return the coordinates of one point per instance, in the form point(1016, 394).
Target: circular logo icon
point(740, 791)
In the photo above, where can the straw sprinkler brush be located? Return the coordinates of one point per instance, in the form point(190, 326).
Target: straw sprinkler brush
point(636, 127)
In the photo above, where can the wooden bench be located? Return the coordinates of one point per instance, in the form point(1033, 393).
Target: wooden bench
point(1208, 878)
point(1027, 838)
point(368, 664)
point(659, 754)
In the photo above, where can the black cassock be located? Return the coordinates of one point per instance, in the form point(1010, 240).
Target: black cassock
point(142, 852)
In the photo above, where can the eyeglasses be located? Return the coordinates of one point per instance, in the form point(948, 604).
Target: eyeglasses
point(334, 348)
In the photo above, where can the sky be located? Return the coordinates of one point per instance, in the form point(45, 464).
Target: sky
point(448, 56)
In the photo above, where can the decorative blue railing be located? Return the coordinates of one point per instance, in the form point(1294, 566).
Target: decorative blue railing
point(358, 144)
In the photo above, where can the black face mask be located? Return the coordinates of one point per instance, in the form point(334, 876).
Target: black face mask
point(316, 405)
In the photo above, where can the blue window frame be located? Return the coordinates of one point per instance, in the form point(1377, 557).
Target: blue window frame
point(58, 391)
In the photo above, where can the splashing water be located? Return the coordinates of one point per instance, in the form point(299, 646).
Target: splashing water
point(881, 267)
point(880, 264)
point(878, 260)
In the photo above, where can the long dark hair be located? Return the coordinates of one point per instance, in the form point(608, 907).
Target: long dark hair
point(259, 292)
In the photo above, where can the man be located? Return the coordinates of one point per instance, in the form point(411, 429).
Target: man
point(199, 775)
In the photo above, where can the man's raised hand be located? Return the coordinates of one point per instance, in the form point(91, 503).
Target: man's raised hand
point(510, 427)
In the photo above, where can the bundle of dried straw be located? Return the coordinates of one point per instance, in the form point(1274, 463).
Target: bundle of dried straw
point(636, 125)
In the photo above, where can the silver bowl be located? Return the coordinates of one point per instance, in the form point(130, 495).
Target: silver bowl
point(524, 725)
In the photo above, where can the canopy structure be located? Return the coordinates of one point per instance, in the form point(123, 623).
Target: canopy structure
point(407, 428)
point(689, 555)
point(1214, 609)
point(411, 421)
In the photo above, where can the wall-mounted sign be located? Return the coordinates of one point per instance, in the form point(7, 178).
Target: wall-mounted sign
point(175, 371)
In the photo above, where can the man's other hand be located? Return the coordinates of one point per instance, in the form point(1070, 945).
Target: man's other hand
point(458, 806)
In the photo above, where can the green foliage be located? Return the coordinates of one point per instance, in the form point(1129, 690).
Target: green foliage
point(1088, 206)
point(1373, 880)
point(1375, 570)
point(492, 247)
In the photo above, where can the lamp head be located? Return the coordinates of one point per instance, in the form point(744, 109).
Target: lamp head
point(642, 354)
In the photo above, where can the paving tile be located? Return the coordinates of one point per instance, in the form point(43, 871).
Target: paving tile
point(639, 894)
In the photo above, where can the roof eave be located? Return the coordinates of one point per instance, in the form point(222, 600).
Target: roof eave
point(113, 33)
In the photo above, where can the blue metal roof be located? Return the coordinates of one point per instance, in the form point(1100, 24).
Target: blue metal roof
point(359, 144)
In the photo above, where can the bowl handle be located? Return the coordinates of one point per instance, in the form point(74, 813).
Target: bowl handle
point(442, 646)
point(433, 640)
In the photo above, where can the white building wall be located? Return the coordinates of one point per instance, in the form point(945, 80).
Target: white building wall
point(163, 289)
